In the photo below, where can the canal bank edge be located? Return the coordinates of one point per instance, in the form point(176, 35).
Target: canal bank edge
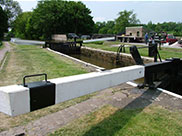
point(90, 67)
point(110, 56)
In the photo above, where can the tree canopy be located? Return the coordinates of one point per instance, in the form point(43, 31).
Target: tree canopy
point(128, 18)
point(125, 19)
point(12, 9)
point(3, 22)
point(169, 27)
point(58, 17)
point(62, 17)
point(20, 25)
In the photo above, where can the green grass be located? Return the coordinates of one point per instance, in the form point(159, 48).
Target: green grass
point(1, 45)
point(26, 60)
point(109, 121)
point(164, 53)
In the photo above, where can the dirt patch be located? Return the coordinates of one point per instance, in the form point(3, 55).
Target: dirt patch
point(5, 49)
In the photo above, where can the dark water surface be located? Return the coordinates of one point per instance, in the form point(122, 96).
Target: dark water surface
point(96, 61)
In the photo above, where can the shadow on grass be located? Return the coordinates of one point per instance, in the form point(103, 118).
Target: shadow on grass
point(121, 118)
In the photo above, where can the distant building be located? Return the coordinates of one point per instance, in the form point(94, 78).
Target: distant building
point(137, 31)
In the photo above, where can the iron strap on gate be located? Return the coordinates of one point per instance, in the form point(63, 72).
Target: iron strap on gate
point(43, 74)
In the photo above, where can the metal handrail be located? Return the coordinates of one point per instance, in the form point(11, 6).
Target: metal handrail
point(43, 74)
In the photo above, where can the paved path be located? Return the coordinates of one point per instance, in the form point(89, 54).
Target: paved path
point(26, 42)
point(4, 50)
point(123, 97)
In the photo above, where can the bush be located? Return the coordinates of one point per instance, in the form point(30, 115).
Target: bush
point(1, 43)
point(98, 42)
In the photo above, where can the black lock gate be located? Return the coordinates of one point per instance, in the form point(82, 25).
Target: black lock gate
point(42, 93)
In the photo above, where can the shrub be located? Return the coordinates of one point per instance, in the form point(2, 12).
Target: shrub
point(97, 42)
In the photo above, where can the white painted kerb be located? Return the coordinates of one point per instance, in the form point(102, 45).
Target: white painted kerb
point(79, 85)
point(14, 100)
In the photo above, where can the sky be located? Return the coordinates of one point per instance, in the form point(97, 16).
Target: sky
point(105, 10)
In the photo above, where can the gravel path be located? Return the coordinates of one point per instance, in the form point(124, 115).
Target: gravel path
point(4, 50)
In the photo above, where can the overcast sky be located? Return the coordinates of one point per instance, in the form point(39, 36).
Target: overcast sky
point(155, 11)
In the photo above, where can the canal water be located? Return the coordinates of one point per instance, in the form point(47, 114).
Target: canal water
point(96, 61)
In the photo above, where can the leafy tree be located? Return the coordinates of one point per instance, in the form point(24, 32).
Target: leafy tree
point(104, 27)
point(169, 27)
point(57, 16)
point(125, 19)
point(98, 26)
point(20, 24)
point(3, 23)
point(150, 26)
point(12, 9)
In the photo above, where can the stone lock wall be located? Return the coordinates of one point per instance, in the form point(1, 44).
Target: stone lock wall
point(109, 56)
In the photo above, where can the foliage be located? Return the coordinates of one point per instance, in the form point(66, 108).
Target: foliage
point(1, 43)
point(169, 27)
point(97, 42)
point(108, 28)
point(126, 18)
point(12, 9)
point(20, 25)
point(57, 16)
point(3, 23)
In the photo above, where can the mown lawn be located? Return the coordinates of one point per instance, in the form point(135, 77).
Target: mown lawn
point(110, 121)
point(1, 46)
point(27, 59)
point(164, 53)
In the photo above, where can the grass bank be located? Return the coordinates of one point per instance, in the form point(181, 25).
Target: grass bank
point(164, 52)
point(110, 121)
point(1, 45)
point(27, 59)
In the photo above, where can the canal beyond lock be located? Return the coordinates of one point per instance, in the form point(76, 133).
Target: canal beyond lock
point(97, 62)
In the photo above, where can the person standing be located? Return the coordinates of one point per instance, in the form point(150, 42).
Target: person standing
point(146, 38)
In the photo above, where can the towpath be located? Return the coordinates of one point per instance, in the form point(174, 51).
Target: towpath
point(4, 50)
point(123, 97)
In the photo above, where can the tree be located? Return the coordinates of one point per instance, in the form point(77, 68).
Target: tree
point(98, 26)
point(125, 19)
point(12, 9)
point(104, 27)
point(3, 23)
point(20, 24)
point(169, 27)
point(59, 17)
